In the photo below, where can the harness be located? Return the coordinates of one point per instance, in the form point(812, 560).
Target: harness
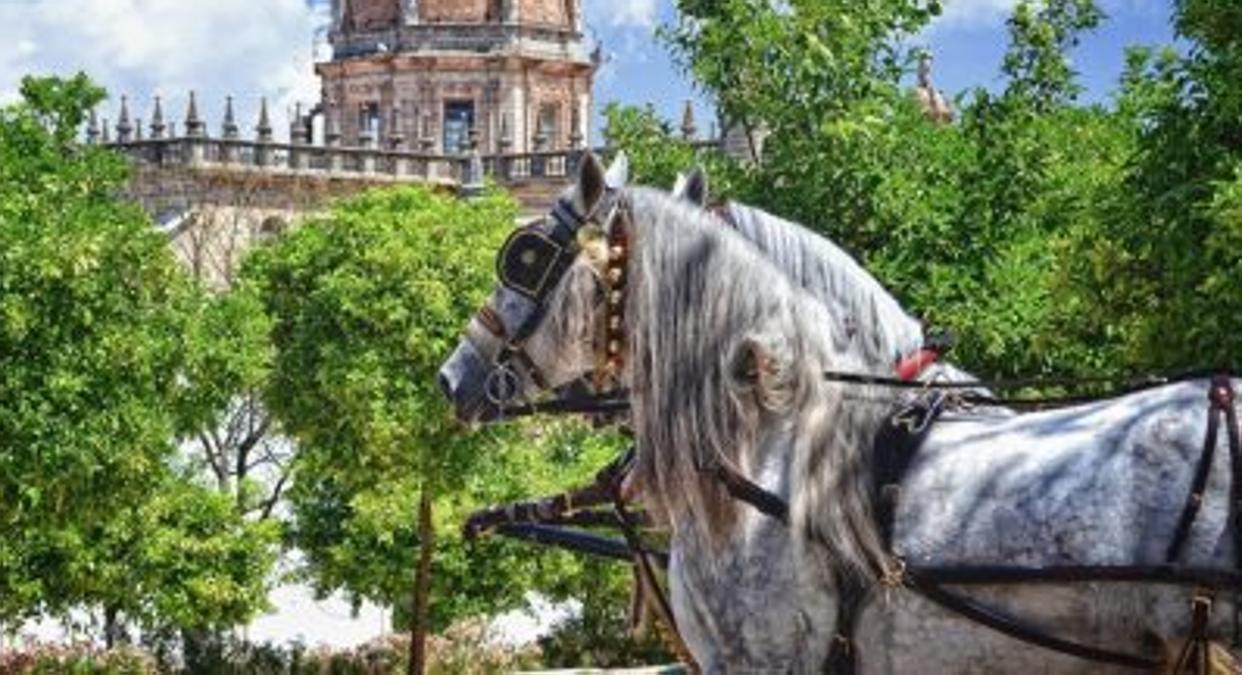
point(896, 446)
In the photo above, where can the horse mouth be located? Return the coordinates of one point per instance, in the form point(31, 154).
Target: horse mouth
point(477, 410)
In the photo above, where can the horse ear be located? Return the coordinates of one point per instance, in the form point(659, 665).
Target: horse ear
point(619, 173)
point(695, 190)
point(679, 186)
point(757, 365)
point(591, 184)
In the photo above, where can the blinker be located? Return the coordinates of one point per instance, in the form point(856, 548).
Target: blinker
point(531, 261)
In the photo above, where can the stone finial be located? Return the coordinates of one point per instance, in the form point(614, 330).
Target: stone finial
point(172, 129)
point(297, 126)
point(506, 134)
point(137, 128)
point(934, 104)
point(688, 128)
point(265, 123)
point(107, 137)
point(92, 128)
point(230, 129)
point(124, 128)
point(331, 130)
point(924, 74)
point(194, 127)
point(157, 120)
point(541, 134)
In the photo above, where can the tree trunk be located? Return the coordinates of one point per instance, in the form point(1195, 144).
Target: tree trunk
point(111, 626)
point(422, 586)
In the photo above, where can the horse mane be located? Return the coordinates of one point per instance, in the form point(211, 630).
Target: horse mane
point(701, 301)
point(870, 314)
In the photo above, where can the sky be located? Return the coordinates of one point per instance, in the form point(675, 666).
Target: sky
point(254, 48)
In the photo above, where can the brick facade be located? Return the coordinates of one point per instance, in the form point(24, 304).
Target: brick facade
point(515, 74)
point(546, 12)
point(458, 11)
point(372, 14)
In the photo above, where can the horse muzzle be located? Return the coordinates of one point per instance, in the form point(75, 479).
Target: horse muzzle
point(468, 381)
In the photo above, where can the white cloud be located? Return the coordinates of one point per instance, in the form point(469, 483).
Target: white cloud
point(618, 13)
point(246, 48)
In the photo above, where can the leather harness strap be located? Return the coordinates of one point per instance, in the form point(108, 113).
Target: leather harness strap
point(642, 565)
point(1220, 399)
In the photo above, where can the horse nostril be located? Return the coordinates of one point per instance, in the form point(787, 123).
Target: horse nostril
point(445, 385)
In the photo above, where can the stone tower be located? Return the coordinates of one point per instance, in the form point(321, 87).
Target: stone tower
point(425, 74)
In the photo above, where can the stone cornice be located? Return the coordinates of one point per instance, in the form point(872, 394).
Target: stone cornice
point(387, 64)
point(445, 38)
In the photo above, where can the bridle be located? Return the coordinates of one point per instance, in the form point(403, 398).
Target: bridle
point(532, 263)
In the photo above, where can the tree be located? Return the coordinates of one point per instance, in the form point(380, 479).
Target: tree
point(108, 354)
point(976, 226)
point(366, 302)
point(90, 303)
point(656, 155)
point(1163, 266)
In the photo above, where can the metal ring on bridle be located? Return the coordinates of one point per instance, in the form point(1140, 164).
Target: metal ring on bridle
point(501, 385)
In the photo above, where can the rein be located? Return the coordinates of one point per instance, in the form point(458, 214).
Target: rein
point(961, 392)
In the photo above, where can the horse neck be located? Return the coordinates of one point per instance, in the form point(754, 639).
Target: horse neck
point(836, 280)
point(877, 322)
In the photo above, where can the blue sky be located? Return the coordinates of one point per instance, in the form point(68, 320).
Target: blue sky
point(968, 42)
point(254, 48)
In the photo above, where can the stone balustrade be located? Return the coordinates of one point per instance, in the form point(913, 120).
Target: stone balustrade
point(386, 159)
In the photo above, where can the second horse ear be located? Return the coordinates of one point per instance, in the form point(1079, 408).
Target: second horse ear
point(591, 185)
point(695, 190)
point(619, 173)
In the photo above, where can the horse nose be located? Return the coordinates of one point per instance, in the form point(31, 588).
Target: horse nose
point(446, 384)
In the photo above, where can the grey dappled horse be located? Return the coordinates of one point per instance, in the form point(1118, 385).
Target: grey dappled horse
point(723, 358)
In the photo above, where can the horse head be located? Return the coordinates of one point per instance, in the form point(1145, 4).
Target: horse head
point(540, 328)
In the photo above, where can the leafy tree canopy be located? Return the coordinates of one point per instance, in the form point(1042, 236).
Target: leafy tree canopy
point(90, 316)
point(366, 303)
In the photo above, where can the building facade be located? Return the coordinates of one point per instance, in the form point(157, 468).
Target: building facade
point(436, 75)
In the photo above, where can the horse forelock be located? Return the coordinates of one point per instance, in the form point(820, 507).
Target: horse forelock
point(699, 296)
